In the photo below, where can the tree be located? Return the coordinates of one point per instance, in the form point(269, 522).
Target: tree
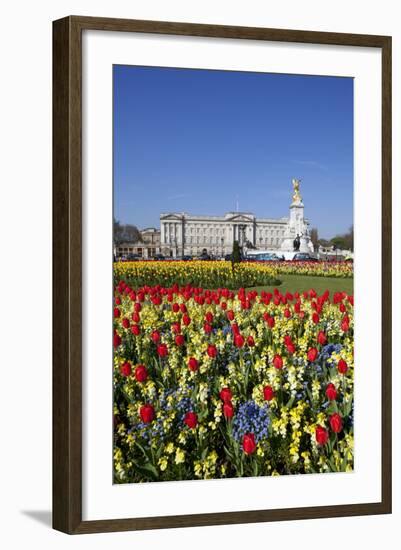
point(324, 242)
point(349, 237)
point(344, 241)
point(339, 241)
point(314, 237)
point(125, 233)
point(117, 232)
point(132, 233)
point(236, 255)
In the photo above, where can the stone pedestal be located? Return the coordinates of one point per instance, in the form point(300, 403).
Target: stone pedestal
point(297, 226)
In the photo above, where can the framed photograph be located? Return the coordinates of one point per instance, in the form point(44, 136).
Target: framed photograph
point(221, 274)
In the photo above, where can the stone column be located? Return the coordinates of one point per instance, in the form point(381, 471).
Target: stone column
point(162, 233)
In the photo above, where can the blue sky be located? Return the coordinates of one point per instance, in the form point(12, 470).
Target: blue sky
point(198, 141)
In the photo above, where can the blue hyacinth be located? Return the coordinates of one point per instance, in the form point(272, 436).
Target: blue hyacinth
point(329, 349)
point(181, 403)
point(250, 418)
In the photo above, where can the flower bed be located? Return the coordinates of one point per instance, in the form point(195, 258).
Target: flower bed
point(217, 274)
point(343, 270)
point(214, 384)
point(206, 274)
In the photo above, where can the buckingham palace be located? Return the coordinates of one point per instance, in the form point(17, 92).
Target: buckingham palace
point(185, 234)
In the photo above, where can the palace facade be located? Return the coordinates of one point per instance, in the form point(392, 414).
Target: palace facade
point(147, 247)
point(184, 234)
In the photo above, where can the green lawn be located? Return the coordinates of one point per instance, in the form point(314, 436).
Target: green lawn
point(293, 283)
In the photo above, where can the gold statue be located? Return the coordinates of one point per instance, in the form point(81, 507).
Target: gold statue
point(296, 197)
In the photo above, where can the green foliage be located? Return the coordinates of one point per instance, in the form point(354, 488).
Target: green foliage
point(125, 233)
point(236, 255)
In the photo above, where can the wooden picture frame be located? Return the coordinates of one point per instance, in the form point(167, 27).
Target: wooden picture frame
point(67, 273)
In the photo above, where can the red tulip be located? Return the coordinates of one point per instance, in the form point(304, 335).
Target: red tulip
point(290, 347)
point(239, 340)
point(176, 328)
point(186, 319)
point(125, 322)
point(315, 318)
point(191, 420)
point(192, 364)
point(211, 350)
point(321, 435)
point(321, 338)
point(230, 315)
point(278, 362)
point(345, 324)
point(336, 422)
point(116, 340)
point(269, 320)
point(209, 317)
point(125, 369)
point(228, 409)
point(180, 340)
point(116, 312)
point(250, 341)
point(155, 336)
point(136, 330)
point(147, 413)
point(268, 393)
point(331, 392)
point(136, 317)
point(342, 366)
point(312, 355)
point(162, 350)
point(226, 395)
point(141, 373)
point(248, 443)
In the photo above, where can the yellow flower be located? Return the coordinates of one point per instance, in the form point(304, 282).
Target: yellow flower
point(170, 448)
point(198, 470)
point(163, 463)
point(179, 456)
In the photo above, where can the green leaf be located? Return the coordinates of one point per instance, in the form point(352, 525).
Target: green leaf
point(290, 402)
point(347, 408)
point(309, 394)
point(145, 453)
point(332, 408)
point(228, 453)
point(344, 464)
point(147, 469)
point(332, 465)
